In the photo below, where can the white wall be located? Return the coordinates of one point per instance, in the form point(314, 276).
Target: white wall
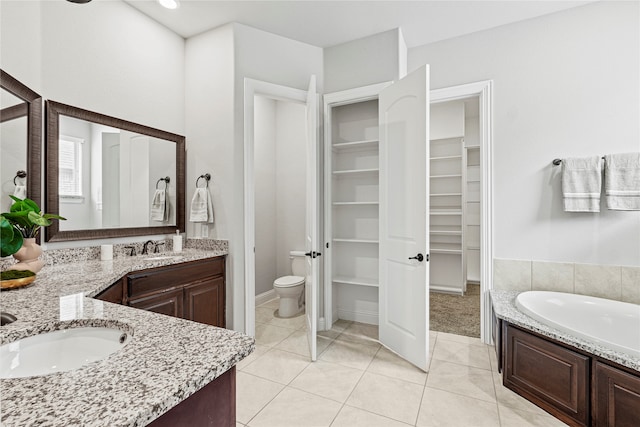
point(265, 193)
point(217, 63)
point(566, 84)
point(374, 59)
point(103, 56)
point(291, 183)
point(280, 187)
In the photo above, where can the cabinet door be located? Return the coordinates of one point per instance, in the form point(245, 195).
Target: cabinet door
point(169, 303)
point(204, 302)
point(551, 376)
point(113, 293)
point(616, 397)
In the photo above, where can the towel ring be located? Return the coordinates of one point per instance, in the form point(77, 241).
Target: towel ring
point(19, 174)
point(166, 180)
point(206, 177)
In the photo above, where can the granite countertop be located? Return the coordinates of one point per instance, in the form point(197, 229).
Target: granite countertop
point(165, 361)
point(504, 307)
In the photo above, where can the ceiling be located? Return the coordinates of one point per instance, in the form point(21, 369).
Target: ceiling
point(327, 23)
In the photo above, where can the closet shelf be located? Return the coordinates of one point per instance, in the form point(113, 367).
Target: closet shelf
point(445, 157)
point(445, 251)
point(355, 281)
point(445, 194)
point(445, 176)
point(473, 248)
point(356, 172)
point(356, 145)
point(355, 203)
point(445, 232)
point(434, 212)
point(342, 240)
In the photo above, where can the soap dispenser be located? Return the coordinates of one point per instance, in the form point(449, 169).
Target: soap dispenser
point(177, 242)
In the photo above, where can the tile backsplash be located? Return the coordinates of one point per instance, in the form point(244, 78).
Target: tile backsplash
point(605, 281)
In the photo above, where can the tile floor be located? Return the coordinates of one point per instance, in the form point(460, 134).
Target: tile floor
point(357, 382)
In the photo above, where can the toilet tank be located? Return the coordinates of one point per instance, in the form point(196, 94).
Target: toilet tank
point(298, 266)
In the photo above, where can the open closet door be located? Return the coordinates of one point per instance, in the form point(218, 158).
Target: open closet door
point(404, 240)
point(311, 223)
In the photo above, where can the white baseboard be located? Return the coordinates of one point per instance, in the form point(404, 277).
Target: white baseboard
point(265, 297)
point(369, 317)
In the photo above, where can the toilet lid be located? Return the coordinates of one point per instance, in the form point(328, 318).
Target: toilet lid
point(288, 281)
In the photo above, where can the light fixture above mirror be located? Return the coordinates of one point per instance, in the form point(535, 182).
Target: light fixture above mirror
point(169, 4)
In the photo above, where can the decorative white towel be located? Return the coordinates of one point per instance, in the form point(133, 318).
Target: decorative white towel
point(622, 181)
point(201, 206)
point(159, 206)
point(581, 184)
point(20, 191)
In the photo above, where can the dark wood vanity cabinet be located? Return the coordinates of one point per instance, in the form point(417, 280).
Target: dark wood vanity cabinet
point(553, 377)
point(579, 388)
point(193, 290)
point(616, 399)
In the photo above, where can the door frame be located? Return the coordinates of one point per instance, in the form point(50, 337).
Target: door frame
point(484, 90)
point(252, 88)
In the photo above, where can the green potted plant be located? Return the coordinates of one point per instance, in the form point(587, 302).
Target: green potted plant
point(19, 227)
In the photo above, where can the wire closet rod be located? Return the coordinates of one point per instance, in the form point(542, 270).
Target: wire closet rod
point(557, 162)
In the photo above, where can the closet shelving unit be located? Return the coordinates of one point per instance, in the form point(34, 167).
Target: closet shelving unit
point(351, 213)
point(472, 214)
point(354, 193)
point(447, 201)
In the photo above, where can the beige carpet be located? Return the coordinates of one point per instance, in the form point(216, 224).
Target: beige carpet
point(456, 314)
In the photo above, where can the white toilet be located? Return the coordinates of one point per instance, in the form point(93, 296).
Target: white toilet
point(290, 289)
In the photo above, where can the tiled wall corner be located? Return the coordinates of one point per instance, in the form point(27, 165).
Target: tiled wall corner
point(511, 275)
point(602, 281)
point(552, 276)
point(631, 284)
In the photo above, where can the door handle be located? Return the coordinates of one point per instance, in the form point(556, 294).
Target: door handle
point(313, 254)
point(419, 257)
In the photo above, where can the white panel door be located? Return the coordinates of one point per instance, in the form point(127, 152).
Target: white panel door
point(404, 239)
point(311, 223)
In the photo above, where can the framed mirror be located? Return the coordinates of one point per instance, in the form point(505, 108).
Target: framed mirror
point(110, 177)
point(20, 141)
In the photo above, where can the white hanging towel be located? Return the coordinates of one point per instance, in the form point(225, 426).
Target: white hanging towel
point(159, 206)
point(581, 184)
point(201, 206)
point(622, 181)
point(20, 191)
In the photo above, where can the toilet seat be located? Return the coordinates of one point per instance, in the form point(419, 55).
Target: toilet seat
point(288, 281)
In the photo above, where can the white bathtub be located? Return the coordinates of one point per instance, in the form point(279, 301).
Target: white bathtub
point(612, 324)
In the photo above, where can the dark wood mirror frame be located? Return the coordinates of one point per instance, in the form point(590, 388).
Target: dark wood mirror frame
point(33, 110)
point(53, 233)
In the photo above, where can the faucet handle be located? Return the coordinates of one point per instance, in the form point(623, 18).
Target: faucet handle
point(155, 250)
point(133, 250)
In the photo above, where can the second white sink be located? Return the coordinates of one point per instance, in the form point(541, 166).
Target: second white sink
point(59, 351)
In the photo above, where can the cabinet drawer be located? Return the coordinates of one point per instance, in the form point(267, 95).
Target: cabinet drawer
point(145, 282)
point(551, 376)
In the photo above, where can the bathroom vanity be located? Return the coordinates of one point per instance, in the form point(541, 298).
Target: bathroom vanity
point(579, 382)
point(193, 290)
point(168, 373)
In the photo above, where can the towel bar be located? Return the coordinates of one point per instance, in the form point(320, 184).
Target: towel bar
point(206, 177)
point(557, 162)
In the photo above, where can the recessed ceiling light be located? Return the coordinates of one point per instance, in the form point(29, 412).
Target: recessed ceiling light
point(169, 4)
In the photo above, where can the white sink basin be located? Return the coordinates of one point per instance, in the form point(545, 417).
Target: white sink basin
point(59, 351)
point(159, 258)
